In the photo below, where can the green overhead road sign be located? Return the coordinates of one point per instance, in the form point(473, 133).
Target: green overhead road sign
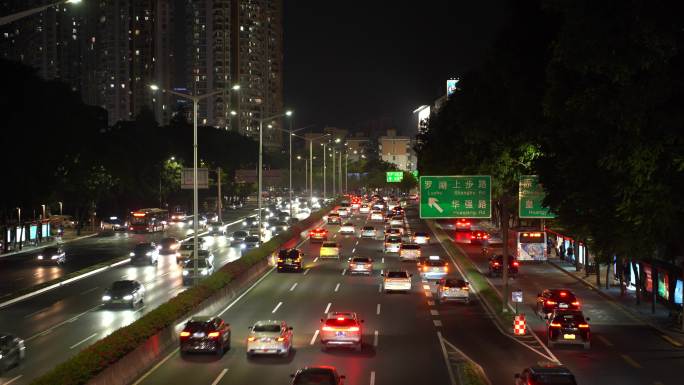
point(468, 196)
point(530, 198)
point(394, 176)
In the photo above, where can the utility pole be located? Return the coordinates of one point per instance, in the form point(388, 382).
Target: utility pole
point(334, 191)
point(219, 202)
point(346, 173)
point(340, 178)
point(324, 156)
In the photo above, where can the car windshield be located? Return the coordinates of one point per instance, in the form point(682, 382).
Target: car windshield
point(531, 238)
point(143, 247)
point(168, 240)
point(568, 317)
point(252, 239)
point(215, 224)
point(50, 250)
point(421, 234)
point(553, 379)
point(454, 283)
point(436, 263)
point(348, 224)
point(394, 239)
point(315, 378)
point(329, 244)
point(187, 246)
point(201, 263)
point(267, 328)
point(563, 295)
point(410, 247)
point(368, 228)
point(240, 234)
point(284, 253)
point(397, 274)
point(122, 286)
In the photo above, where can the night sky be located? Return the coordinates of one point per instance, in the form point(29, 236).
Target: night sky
point(347, 62)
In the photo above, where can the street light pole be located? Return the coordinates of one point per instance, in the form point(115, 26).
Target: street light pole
point(346, 173)
point(325, 193)
point(333, 172)
point(311, 171)
point(60, 208)
point(22, 14)
point(340, 178)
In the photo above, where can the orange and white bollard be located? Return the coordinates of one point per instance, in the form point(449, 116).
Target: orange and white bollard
point(519, 325)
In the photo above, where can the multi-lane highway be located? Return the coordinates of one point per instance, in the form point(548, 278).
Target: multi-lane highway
point(624, 349)
point(401, 343)
point(58, 323)
point(22, 271)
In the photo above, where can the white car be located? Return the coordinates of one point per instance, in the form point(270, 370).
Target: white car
point(347, 228)
point(369, 232)
point(343, 211)
point(392, 244)
point(456, 290)
point(377, 216)
point(269, 337)
point(329, 250)
point(396, 221)
point(409, 251)
point(364, 209)
point(399, 280)
point(421, 238)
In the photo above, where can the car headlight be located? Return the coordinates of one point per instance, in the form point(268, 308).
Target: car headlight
point(55, 257)
point(149, 253)
point(132, 254)
point(231, 239)
point(40, 257)
point(185, 272)
point(204, 272)
point(106, 297)
point(243, 246)
point(127, 297)
point(244, 223)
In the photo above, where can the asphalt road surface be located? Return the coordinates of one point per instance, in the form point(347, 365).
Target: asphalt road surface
point(624, 350)
point(21, 271)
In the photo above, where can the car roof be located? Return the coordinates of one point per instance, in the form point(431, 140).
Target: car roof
point(329, 244)
point(201, 318)
point(346, 314)
point(550, 370)
point(268, 322)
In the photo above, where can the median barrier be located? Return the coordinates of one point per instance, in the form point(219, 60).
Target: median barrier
point(128, 352)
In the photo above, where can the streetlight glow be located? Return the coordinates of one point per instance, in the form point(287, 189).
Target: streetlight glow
point(337, 140)
point(233, 112)
point(154, 87)
point(236, 87)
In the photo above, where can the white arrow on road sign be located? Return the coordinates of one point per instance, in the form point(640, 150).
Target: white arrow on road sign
point(432, 202)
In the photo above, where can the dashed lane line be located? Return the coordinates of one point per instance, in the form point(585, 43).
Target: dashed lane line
point(344, 271)
point(337, 287)
point(630, 361)
point(434, 312)
point(377, 309)
point(671, 340)
point(8, 382)
point(275, 309)
point(313, 339)
point(375, 339)
point(437, 323)
point(372, 378)
point(604, 340)
point(294, 285)
point(327, 308)
point(83, 341)
point(220, 377)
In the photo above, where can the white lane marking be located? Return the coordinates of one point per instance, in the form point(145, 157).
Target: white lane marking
point(377, 309)
point(372, 378)
point(139, 309)
point(155, 367)
point(90, 290)
point(275, 309)
point(344, 271)
point(306, 271)
point(604, 340)
point(219, 377)
point(243, 294)
point(426, 287)
point(431, 303)
point(327, 308)
point(70, 320)
point(14, 379)
point(375, 339)
point(452, 378)
point(293, 286)
point(382, 271)
point(164, 274)
point(124, 276)
point(383, 259)
point(37, 312)
point(315, 260)
point(82, 341)
point(313, 339)
point(337, 287)
point(354, 250)
point(437, 322)
point(434, 312)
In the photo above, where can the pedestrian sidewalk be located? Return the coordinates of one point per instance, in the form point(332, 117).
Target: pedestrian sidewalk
point(660, 319)
point(69, 236)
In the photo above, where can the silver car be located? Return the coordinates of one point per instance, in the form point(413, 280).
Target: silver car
point(269, 337)
point(456, 290)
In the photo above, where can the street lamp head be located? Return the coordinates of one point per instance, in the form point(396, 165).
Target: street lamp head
point(236, 87)
point(288, 113)
point(233, 113)
point(154, 87)
point(173, 158)
point(299, 157)
point(73, 1)
point(270, 126)
point(337, 140)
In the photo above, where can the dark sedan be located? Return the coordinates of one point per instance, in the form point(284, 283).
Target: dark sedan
point(205, 334)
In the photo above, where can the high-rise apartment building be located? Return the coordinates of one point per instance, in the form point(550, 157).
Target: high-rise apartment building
point(397, 150)
point(257, 65)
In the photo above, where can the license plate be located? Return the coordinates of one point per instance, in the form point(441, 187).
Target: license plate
point(339, 334)
point(563, 305)
point(198, 335)
point(568, 336)
point(288, 261)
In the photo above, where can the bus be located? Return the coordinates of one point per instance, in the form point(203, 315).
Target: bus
point(148, 220)
point(531, 245)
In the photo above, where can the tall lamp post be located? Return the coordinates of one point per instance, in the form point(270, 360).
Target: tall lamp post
point(261, 157)
point(311, 140)
point(195, 198)
point(60, 208)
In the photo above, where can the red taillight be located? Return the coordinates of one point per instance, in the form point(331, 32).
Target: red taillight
point(354, 329)
point(185, 334)
point(583, 326)
point(563, 294)
point(281, 339)
point(516, 263)
point(425, 268)
point(446, 269)
point(251, 339)
point(549, 302)
point(485, 236)
point(496, 264)
point(214, 335)
point(472, 236)
point(555, 325)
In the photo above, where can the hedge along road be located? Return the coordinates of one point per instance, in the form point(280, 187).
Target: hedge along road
point(21, 272)
point(59, 323)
